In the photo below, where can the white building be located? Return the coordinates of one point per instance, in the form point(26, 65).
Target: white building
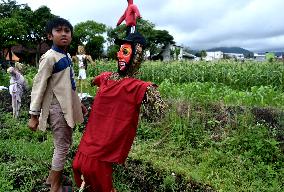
point(215, 55)
point(175, 52)
point(238, 56)
point(259, 57)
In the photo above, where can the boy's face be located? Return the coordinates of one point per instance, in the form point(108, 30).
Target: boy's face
point(61, 36)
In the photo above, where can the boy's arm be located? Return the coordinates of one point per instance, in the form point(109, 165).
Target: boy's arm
point(33, 122)
point(38, 90)
point(154, 106)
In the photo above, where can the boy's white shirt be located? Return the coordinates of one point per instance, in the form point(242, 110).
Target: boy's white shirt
point(47, 84)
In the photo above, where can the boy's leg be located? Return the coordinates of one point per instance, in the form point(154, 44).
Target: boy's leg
point(62, 140)
point(55, 178)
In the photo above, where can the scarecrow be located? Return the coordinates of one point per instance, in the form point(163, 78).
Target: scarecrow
point(82, 58)
point(16, 89)
point(114, 117)
point(130, 15)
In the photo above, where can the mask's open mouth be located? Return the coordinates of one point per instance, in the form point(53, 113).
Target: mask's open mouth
point(122, 65)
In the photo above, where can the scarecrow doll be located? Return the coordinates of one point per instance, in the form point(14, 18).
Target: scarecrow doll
point(17, 87)
point(130, 15)
point(114, 117)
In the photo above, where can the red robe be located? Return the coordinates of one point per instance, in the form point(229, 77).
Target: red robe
point(113, 119)
point(130, 15)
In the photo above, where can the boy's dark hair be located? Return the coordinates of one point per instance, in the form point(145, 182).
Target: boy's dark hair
point(55, 22)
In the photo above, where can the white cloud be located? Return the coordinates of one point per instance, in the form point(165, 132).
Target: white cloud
point(251, 24)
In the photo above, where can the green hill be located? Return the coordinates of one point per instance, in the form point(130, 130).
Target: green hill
point(239, 50)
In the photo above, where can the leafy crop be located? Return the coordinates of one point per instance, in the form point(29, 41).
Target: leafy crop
point(223, 131)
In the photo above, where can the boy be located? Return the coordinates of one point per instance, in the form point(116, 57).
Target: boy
point(114, 117)
point(54, 98)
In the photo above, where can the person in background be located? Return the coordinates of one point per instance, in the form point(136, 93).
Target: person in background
point(17, 87)
point(113, 119)
point(54, 99)
point(82, 68)
point(130, 15)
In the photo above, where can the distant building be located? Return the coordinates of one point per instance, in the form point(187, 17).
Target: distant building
point(215, 55)
point(259, 57)
point(189, 56)
point(173, 52)
point(166, 53)
point(28, 55)
point(177, 52)
point(238, 56)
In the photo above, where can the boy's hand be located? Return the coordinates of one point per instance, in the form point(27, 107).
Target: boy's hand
point(84, 110)
point(33, 122)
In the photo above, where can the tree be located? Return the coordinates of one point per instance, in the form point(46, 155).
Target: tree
point(112, 34)
point(95, 47)
point(20, 25)
point(12, 30)
point(143, 26)
point(88, 33)
point(37, 33)
point(7, 7)
point(156, 39)
point(111, 51)
point(36, 22)
point(270, 57)
point(203, 54)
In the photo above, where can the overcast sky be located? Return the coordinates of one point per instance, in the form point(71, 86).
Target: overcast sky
point(199, 24)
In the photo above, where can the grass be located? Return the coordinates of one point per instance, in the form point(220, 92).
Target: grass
point(223, 132)
point(246, 158)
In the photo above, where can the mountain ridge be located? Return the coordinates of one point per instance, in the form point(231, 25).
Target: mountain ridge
point(241, 50)
point(231, 50)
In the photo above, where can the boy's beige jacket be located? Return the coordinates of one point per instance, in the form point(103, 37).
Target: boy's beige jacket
point(48, 84)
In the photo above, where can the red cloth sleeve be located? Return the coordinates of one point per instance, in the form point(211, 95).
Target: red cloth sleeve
point(100, 78)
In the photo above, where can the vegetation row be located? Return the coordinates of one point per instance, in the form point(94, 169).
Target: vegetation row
point(215, 136)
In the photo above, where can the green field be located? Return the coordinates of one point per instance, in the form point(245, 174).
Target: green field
point(223, 131)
